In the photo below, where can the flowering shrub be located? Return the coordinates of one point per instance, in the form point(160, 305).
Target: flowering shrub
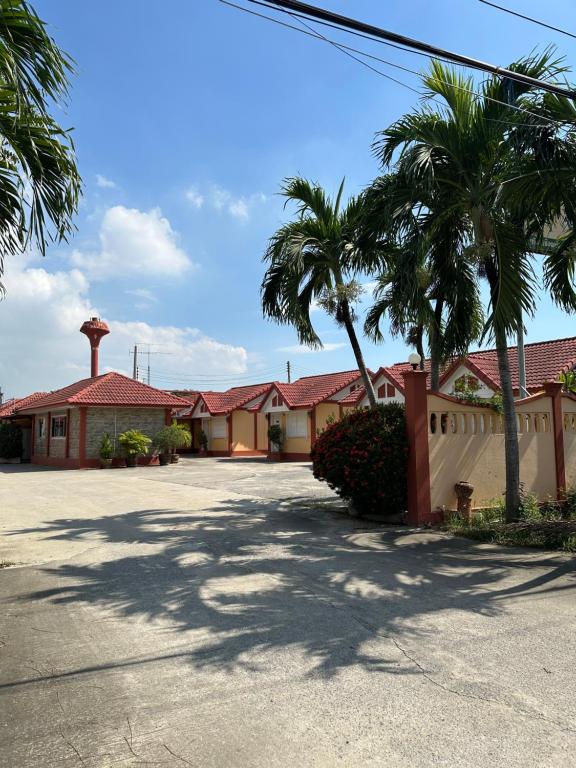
point(363, 458)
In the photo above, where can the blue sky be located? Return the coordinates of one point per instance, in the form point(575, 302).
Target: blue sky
point(185, 122)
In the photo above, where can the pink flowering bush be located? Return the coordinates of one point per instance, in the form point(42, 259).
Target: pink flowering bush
point(363, 458)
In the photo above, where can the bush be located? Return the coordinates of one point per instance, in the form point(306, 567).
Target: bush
point(134, 443)
point(10, 441)
point(276, 436)
point(173, 437)
point(106, 447)
point(363, 458)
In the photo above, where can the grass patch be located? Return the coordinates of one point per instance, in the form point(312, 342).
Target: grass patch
point(6, 563)
point(548, 525)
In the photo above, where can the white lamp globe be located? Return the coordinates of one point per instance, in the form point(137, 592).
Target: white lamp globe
point(414, 359)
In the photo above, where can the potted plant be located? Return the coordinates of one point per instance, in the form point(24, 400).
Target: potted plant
point(276, 437)
point(106, 452)
point(182, 439)
point(203, 442)
point(133, 443)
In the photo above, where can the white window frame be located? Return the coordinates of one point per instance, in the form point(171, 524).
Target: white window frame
point(297, 424)
point(41, 432)
point(219, 429)
point(63, 419)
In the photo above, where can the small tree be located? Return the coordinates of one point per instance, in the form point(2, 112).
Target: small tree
point(276, 436)
point(133, 443)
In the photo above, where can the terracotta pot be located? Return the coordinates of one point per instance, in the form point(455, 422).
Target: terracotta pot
point(131, 460)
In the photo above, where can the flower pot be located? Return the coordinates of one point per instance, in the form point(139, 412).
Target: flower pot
point(105, 463)
point(131, 460)
point(164, 459)
point(174, 458)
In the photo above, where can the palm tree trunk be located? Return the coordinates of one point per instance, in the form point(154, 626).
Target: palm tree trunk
point(420, 345)
point(351, 331)
point(435, 346)
point(511, 451)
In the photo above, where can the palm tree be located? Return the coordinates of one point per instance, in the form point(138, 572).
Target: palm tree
point(315, 258)
point(428, 287)
point(467, 153)
point(39, 181)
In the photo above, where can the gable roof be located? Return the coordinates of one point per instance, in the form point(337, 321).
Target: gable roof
point(112, 389)
point(10, 406)
point(311, 390)
point(222, 403)
point(545, 361)
point(394, 377)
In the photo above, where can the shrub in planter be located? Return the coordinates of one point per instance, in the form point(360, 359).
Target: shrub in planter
point(169, 439)
point(106, 451)
point(133, 443)
point(363, 458)
point(203, 441)
point(10, 441)
point(276, 437)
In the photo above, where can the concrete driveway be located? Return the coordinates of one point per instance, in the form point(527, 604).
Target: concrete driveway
point(220, 613)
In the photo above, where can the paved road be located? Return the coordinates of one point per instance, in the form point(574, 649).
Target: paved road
point(213, 614)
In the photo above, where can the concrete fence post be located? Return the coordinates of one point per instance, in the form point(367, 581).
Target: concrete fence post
point(418, 474)
point(554, 390)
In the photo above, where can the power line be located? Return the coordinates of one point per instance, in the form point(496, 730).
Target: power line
point(347, 23)
point(528, 18)
point(346, 48)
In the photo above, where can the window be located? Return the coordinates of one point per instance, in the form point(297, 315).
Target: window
point(277, 401)
point(41, 428)
point(390, 391)
point(382, 392)
point(353, 387)
point(58, 426)
point(297, 424)
point(218, 428)
point(203, 408)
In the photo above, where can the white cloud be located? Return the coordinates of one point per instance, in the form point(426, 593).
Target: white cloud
point(43, 349)
point(133, 243)
point(301, 349)
point(194, 197)
point(104, 183)
point(221, 199)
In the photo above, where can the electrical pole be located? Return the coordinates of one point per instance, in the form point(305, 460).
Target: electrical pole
point(288, 372)
point(312, 12)
point(1, 396)
point(135, 367)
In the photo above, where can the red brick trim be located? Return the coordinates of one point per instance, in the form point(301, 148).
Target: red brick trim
point(218, 454)
point(312, 426)
point(230, 425)
point(67, 454)
point(53, 461)
point(168, 416)
point(48, 432)
point(274, 456)
point(256, 431)
point(248, 453)
point(554, 390)
point(82, 437)
point(33, 445)
point(418, 469)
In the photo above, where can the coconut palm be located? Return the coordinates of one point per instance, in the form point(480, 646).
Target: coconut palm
point(466, 151)
point(39, 181)
point(428, 287)
point(316, 258)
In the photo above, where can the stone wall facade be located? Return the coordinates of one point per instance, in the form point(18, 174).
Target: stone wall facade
point(118, 420)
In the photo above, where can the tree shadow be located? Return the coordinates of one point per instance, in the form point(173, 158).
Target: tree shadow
point(253, 577)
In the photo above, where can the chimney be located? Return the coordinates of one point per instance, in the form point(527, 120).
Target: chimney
point(94, 329)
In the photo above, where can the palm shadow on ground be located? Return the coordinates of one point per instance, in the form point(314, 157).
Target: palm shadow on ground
point(244, 579)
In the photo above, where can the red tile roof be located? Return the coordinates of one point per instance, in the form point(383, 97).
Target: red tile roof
point(112, 389)
point(311, 390)
point(219, 403)
point(545, 361)
point(10, 406)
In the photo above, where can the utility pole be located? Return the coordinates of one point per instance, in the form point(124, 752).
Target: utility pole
point(135, 367)
point(328, 18)
point(1, 396)
point(288, 372)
